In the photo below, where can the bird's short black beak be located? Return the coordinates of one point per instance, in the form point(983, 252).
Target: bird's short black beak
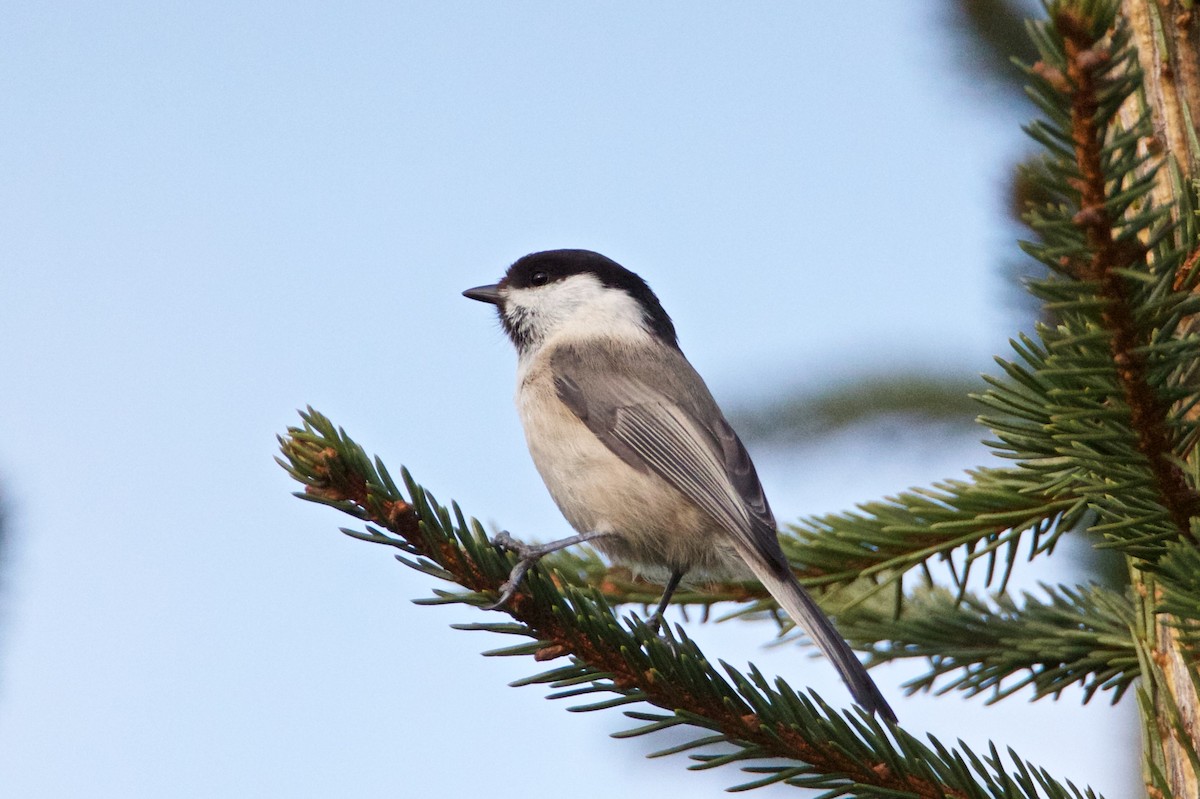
point(485, 294)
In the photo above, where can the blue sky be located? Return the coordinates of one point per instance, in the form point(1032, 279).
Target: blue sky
point(215, 215)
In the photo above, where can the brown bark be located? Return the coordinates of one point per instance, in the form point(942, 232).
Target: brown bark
point(1167, 36)
point(1168, 41)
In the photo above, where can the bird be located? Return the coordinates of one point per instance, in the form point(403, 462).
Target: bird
point(633, 448)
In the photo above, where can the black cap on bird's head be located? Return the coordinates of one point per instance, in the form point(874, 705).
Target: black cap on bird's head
point(523, 279)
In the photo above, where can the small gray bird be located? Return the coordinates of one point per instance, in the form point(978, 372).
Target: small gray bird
point(632, 446)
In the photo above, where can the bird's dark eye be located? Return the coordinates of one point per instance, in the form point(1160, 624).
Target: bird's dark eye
point(539, 278)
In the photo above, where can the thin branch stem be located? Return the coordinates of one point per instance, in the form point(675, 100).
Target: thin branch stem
point(332, 479)
point(1085, 57)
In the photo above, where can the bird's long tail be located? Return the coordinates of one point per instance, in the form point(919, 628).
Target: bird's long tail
point(804, 611)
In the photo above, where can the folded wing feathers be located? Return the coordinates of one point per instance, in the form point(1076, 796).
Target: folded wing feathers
point(672, 450)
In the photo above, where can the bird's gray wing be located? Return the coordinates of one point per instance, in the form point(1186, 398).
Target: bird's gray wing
point(652, 409)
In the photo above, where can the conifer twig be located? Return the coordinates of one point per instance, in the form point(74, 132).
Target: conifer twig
point(1086, 57)
point(846, 754)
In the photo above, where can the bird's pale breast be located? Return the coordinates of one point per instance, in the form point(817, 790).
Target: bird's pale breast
point(654, 524)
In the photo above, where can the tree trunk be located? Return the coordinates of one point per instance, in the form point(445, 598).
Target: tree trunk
point(1167, 36)
point(1168, 41)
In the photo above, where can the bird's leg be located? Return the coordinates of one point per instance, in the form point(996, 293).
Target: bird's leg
point(529, 554)
point(655, 621)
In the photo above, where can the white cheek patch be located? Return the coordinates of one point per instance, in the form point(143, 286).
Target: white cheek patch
point(578, 306)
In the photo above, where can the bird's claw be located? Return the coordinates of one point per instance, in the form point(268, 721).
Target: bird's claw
point(506, 543)
point(507, 589)
point(526, 557)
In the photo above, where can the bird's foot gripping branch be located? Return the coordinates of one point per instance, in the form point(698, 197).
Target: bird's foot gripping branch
point(615, 662)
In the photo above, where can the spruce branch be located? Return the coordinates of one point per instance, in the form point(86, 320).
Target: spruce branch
point(985, 522)
point(1120, 233)
point(1112, 248)
point(1179, 575)
point(1081, 635)
point(984, 519)
point(1092, 407)
point(842, 753)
